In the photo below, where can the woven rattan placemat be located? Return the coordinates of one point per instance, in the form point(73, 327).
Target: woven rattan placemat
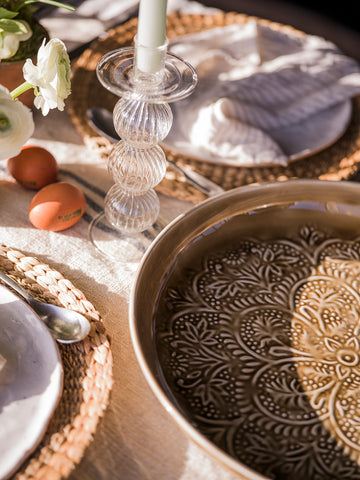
point(87, 372)
point(338, 162)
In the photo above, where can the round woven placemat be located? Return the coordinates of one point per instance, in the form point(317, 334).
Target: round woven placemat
point(338, 162)
point(87, 372)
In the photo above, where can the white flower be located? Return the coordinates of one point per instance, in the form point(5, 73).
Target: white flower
point(51, 76)
point(16, 125)
point(10, 41)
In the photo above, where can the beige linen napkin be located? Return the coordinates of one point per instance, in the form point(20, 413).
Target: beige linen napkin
point(254, 80)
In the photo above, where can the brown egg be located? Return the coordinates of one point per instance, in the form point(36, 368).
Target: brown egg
point(57, 206)
point(34, 167)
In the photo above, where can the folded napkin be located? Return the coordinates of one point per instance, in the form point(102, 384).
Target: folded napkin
point(253, 80)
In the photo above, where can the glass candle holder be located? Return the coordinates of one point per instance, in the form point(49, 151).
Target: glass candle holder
point(146, 80)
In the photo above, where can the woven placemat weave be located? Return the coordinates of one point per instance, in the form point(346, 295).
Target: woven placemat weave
point(87, 372)
point(338, 162)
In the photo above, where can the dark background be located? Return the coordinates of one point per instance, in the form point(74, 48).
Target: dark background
point(338, 22)
point(344, 12)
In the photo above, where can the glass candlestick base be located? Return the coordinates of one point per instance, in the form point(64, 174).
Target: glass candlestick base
point(142, 118)
point(130, 212)
point(122, 247)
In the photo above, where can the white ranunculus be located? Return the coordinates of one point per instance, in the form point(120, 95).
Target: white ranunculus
point(51, 76)
point(16, 124)
point(10, 41)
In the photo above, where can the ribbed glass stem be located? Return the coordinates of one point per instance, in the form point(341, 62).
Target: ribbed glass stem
point(142, 124)
point(136, 169)
point(131, 213)
point(137, 163)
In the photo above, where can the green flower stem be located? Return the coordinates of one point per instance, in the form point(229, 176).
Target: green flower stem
point(48, 2)
point(21, 89)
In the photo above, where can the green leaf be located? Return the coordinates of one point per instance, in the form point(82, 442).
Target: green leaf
point(30, 48)
point(5, 13)
point(48, 2)
point(12, 26)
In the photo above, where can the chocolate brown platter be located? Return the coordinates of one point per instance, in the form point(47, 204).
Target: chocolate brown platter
point(245, 319)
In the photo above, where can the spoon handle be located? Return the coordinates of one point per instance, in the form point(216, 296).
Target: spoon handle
point(21, 291)
point(203, 184)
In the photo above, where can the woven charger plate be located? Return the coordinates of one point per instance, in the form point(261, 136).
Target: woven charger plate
point(338, 162)
point(87, 372)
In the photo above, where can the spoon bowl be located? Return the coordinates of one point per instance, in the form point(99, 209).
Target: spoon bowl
point(66, 326)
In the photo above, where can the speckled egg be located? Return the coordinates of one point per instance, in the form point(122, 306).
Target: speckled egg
point(34, 167)
point(57, 206)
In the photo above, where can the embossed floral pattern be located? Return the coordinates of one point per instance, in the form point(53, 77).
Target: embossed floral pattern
point(261, 348)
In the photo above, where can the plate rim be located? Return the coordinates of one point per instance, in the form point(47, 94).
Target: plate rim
point(57, 382)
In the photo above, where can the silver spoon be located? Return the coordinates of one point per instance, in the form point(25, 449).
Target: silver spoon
point(101, 120)
point(66, 326)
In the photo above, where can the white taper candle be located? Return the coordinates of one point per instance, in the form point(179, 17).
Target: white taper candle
point(151, 34)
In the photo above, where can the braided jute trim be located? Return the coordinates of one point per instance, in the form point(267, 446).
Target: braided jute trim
point(87, 372)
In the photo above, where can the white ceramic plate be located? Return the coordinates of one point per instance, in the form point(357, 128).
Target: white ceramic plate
point(30, 382)
point(297, 141)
